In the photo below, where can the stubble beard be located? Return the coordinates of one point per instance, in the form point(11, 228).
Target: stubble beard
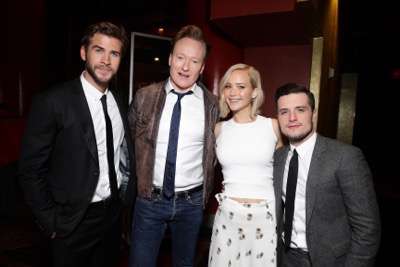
point(301, 137)
point(94, 76)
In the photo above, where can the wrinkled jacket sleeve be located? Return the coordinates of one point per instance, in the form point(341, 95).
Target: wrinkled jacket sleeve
point(359, 196)
point(37, 146)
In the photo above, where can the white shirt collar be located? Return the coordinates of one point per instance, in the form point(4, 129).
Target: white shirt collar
point(195, 89)
point(90, 90)
point(305, 149)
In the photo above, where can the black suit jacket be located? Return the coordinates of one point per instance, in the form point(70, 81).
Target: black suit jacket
point(59, 167)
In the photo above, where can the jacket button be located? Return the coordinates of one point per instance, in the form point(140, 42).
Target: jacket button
point(95, 173)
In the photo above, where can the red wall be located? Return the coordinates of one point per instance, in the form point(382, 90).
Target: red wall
point(11, 130)
point(279, 65)
point(25, 41)
point(223, 53)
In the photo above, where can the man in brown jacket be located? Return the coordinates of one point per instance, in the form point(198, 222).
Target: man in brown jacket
point(172, 124)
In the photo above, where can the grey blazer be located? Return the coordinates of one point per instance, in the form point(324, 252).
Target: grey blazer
point(342, 217)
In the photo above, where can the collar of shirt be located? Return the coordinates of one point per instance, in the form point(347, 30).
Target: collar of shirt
point(90, 90)
point(306, 149)
point(195, 89)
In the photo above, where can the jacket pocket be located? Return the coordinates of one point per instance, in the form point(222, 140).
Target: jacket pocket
point(340, 249)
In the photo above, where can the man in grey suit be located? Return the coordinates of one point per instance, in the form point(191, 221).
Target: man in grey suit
point(328, 215)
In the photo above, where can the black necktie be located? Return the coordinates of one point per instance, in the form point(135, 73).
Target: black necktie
point(110, 150)
point(170, 164)
point(290, 197)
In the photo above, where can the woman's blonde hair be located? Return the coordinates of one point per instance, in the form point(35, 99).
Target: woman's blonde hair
point(255, 81)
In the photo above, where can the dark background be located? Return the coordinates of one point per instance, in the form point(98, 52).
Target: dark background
point(369, 44)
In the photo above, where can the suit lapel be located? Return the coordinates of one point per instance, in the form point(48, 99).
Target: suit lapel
point(313, 176)
point(155, 120)
point(82, 109)
point(122, 111)
point(209, 110)
point(279, 168)
point(121, 108)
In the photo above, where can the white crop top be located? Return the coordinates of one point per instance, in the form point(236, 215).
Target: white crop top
point(245, 152)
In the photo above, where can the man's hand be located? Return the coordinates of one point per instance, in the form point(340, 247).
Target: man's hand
point(53, 235)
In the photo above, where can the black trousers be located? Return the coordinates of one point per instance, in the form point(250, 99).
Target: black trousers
point(95, 242)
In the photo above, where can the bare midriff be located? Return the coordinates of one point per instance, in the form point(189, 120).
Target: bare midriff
point(246, 200)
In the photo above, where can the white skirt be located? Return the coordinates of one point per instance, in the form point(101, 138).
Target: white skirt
point(243, 234)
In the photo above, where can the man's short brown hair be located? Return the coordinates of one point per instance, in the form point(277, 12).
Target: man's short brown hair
point(106, 28)
point(192, 32)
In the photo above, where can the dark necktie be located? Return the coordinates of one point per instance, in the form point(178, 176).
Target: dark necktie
point(110, 150)
point(170, 164)
point(290, 197)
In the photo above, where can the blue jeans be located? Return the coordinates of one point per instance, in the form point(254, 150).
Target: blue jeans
point(183, 215)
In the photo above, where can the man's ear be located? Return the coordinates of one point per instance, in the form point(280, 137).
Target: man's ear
point(83, 53)
point(170, 59)
point(315, 118)
point(202, 68)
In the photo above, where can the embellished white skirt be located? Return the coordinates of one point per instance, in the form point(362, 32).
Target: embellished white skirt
point(243, 234)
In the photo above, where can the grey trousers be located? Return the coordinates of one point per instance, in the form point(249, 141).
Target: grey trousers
point(295, 258)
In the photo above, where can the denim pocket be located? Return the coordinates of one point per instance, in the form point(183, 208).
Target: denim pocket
point(196, 198)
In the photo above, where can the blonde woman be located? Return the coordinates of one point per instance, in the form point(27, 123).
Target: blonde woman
point(244, 227)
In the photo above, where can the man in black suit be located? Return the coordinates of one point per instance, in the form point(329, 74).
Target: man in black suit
point(76, 159)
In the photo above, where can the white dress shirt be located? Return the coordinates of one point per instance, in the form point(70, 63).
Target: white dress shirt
point(93, 97)
point(304, 152)
point(189, 159)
